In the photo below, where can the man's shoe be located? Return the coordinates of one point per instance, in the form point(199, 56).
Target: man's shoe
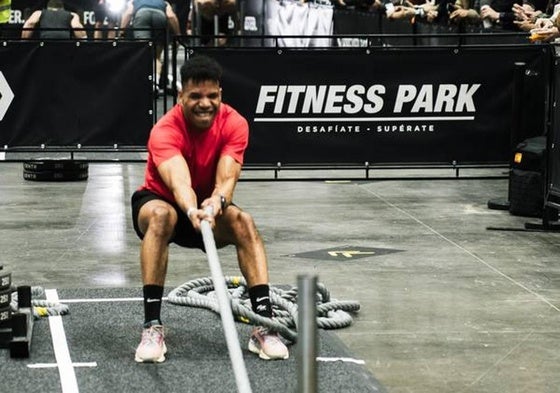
point(267, 345)
point(152, 348)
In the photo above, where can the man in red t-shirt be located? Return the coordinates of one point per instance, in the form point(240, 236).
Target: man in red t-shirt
point(195, 154)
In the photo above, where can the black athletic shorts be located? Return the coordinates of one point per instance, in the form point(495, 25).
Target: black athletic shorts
point(185, 235)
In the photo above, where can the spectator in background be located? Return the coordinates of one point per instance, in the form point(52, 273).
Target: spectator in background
point(181, 9)
point(494, 14)
point(428, 11)
point(359, 5)
point(547, 27)
point(54, 22)
point(107, 13)
point(150, 20)
point(464, 12)
point(5, 9)
point(498, 14)
point(207, 9)
point(528, 15)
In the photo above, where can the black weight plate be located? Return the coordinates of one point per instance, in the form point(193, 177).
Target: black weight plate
point(5, 279)
point(62, 165)
point(5, 315)
point(57, 176)
point(498, 204)
point(5, 298)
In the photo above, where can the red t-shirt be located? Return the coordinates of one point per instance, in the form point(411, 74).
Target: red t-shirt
point(170, 136)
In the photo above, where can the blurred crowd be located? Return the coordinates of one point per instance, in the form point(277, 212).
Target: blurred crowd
point(284, 17)
point(223, 19)
point(538, 17)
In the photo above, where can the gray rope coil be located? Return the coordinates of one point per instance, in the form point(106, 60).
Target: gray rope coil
point(41, 307)
point(331, 314)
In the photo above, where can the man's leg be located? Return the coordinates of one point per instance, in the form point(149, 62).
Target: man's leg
point(238, 228)
point(156, 220)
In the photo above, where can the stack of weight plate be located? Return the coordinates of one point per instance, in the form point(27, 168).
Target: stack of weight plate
point(5, 312)
point(55, 170)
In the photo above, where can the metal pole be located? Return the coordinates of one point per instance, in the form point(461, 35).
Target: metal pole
point(216, 23)
point(307, 334)
point(224, 302)
point(517, 115)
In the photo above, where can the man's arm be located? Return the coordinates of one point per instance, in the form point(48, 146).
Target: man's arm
point(30, 24)
point(227, 175)
point(176, 175)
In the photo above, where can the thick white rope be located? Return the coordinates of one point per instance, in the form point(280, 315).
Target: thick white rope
point(41, 307)
point(224, 309)
point(331, 314)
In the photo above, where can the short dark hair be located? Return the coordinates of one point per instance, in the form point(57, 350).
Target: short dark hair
point(201, 68)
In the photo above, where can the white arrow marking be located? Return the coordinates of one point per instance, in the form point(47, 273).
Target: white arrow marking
point(6, 96)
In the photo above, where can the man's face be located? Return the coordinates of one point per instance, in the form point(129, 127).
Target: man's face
point(200, 101)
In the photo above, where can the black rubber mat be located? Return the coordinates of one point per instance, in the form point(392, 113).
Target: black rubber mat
point(101, 338)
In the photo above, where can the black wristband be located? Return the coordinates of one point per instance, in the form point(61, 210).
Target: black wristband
point(223, 202)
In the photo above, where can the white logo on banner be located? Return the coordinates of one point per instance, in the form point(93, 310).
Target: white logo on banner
point(356, 99)
point(6, 96)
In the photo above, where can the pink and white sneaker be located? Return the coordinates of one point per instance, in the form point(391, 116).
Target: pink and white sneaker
point(152, 348)
point(267, 344)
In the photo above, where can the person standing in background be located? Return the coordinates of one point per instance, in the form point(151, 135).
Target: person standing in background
point(54, 22)
point(5, 10)
point(149, 20)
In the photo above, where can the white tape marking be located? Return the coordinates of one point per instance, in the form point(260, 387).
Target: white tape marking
point(68, 380)
point(54, 365)
point(106, 300)
point(101, 300)
point(347, 360)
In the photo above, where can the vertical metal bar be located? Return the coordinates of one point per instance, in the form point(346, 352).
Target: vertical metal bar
point(165, 68)
point(216, 22)
point(517, 114)
point(198, 20)
point(174, 50)
point(241, 21)
point(307, 344)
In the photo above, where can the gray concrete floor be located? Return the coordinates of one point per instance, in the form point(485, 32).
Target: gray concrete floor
point(446, 305)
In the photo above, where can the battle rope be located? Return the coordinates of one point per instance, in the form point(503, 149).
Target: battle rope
point(41, 307)
point(331, 314)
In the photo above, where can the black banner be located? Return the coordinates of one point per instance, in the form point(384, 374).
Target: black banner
point(381, 106)
point(68, 93)
point(553, 174)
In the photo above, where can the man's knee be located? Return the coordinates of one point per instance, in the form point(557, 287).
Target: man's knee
point(161, 221)
point(244, 226)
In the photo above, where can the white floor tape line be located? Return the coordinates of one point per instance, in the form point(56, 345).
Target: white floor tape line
point(55, 365)
point(346, 360)
point(68, 381)
point(107, 300)
point(103, 300)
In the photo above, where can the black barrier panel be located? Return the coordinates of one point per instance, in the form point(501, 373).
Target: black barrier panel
point(554, 142)
point(387, 106)
point(66, 93)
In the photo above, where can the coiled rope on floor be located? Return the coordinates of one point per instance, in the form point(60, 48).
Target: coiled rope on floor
point(41, 307)
point(331, 313)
